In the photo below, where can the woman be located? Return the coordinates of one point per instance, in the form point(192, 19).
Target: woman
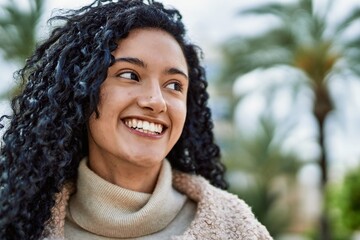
point(112, 138)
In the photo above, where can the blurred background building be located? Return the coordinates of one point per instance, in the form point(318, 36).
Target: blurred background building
point(285, 93)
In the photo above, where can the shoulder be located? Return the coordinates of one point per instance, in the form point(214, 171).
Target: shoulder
point(220, 215)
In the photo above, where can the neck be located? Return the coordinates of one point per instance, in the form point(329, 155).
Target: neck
point(126, 175)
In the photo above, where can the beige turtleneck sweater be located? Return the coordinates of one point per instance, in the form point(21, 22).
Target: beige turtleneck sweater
point(102, 210)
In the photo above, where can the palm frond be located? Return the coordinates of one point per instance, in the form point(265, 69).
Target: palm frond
point(285, 12)
point(351, 18)
point(353, 43)
point(355, 69)
point(276, 9)
point(242, 55)
point(18, 33)
point(18, 29)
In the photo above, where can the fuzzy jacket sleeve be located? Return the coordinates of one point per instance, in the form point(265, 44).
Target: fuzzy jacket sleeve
point(220, 215)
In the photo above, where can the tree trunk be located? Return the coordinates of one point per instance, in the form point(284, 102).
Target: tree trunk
point(322, 107)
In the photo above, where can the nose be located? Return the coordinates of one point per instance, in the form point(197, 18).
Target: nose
point(152, 99)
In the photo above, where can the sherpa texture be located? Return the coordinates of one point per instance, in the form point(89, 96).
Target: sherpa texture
point(220, 215)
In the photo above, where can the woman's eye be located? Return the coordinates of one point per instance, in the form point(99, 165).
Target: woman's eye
point(175, 86)
point(128, 75)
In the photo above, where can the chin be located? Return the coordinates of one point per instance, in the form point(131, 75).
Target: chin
point(146, 161)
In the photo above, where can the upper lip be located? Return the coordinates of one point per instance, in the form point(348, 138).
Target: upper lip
point(148, 119)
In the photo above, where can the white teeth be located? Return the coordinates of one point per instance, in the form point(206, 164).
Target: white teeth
point(159, 128)
point(152, 127)
point(144, 126)
point(139, 124)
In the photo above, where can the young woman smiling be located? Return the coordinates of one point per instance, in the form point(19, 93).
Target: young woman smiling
point(112, 138)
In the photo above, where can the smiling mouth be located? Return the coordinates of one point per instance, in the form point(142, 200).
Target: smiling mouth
point(144, 126)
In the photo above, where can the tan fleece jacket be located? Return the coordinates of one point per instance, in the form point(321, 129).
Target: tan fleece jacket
point(220, 215)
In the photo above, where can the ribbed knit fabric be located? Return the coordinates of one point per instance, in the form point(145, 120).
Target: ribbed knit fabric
point(101, 210)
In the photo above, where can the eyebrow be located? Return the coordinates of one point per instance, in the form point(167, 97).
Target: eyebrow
point(140, 63)
point(132, 60)
point(176, 71)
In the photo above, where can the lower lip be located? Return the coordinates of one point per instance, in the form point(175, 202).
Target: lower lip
point(142, 134)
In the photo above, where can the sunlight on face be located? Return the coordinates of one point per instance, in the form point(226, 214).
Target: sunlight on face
point(142, 103)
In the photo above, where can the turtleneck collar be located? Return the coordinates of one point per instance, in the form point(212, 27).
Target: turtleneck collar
point(108, 210)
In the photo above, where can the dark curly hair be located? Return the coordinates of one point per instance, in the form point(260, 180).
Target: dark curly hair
point(47, 136)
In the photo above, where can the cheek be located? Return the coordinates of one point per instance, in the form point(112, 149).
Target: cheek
point(93, 121)
point(92, 130)
point(179, 111)
point(184, 112)
point(109, 103)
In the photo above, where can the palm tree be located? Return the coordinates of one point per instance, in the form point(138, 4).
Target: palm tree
point(303, 39)
point(18, 31)
point(261, 161)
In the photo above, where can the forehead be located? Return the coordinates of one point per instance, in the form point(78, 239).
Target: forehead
point(151, 45)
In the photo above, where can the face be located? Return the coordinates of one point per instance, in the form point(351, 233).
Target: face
point(142, 102)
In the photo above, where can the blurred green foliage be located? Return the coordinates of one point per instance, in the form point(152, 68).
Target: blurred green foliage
point(18, 29)
point(18, 33)
point(351, 200)
point(344, 205)
point(263, 174)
